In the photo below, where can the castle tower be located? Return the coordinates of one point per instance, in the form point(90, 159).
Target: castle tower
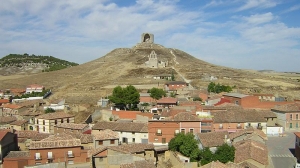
point(153, 62)
point(147, 38)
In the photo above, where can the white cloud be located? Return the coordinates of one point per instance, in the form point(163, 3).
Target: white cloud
point(258, 4)
point(291, 9)
point(87, 30)
point(259, 18)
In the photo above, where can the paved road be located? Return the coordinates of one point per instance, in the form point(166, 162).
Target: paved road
point(280, 150)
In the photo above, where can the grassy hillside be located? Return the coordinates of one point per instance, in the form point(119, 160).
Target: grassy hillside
point(48, 63)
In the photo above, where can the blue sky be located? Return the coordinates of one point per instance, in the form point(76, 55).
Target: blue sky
point(245, 34)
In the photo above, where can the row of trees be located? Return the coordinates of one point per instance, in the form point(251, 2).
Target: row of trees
point(217, 88)
point(129, 96)
point(187, 145)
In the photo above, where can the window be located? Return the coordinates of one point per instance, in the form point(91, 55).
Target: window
point(176, 131)
point(133, 133)
point(133, 139)
point(37, 121)
point(38, 156)
point(68, 120)
point(191, 130)
point(112, 141)
point(236, 102)
point(297, 125)
point(100, 142)
point(44, 129)
point(62, 120)
point(221, 126)
point(70, 162)
point(158, 132)
point(182, 130)
point(55, 122)
point(291, 116)
point(43, 122)
point(50, 156)
point(70, 154)
point(296, 116)
point(239, 125)
point(291, 125)
point(163, 140)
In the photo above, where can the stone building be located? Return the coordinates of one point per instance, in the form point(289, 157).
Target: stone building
point(153, 62)
point(147, 38)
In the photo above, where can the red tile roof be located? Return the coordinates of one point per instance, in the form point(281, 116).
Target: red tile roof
point(297, 134)
point(147, 99)
point(55, 115)
point(19, 122)
point(2, 134)
point(11, 106)
point(106, 135)
point(294, 107)
point(223, 100)
point(4, 101)
point(250, 149)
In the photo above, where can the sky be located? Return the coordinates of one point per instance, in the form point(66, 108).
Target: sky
point(243, 34)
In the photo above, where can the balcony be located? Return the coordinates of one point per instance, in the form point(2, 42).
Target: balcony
point(158, 134)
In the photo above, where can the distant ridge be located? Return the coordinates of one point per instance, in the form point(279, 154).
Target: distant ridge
point(26, 64)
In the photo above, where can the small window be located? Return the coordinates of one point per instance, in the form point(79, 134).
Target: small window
point(37, 121)
point(38, 156)
point(55, 122)
point(163, 140)
point(183, 130)
point(62, 120)
point(191, 130)
point(43, 122)
point(133, 133)
point(70, 154)
point(68, 120)
point(44, 129)
point(112, 141)
point(100, 142)
point(297, 116)
point(70, 161)
point(133, 139)
point(291, 116)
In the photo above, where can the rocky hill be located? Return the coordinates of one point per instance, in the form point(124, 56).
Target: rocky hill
point(28, 64)
point(86, 83)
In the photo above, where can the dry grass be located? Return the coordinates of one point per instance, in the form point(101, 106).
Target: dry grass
point(88, 82)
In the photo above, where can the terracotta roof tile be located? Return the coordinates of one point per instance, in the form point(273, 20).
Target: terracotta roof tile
point(55, 115)
point(106, 134)
point(241, 116)
point(55, 141)
point(295, 107)
point(119, 126)
point(213, 139)
point(167, 100)
point(8, 119)
point(132, 148)
point(2, 134)
point(186, 116)
point(214, 164)
point(84, 138)
point(249, 131)
point(19, 122)
point(11, 106)
point(250, 149)
point(72, 126)
point(18, 154)
point(4, 101)
point(139, 164)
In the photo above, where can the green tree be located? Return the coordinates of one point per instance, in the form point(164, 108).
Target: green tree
point(49, 110)
point(128, 96)
point(211, 87)
point(225, 153)
point(186, 145)
point(156, 93)
point(197, 99)
point(173, 76)
point(132, 96)
point(206, 156)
